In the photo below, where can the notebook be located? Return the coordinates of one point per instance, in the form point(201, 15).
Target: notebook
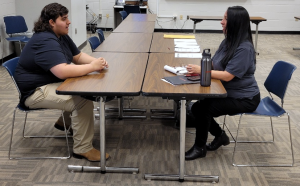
point(179, 80)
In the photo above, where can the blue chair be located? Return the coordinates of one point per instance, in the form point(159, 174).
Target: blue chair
point(276, 83)
point(101, 35)
point(94, 42)
point(123, 14)
point(16, 25)
point(132, 9)
point(10, 66)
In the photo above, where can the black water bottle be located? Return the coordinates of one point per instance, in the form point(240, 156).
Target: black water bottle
point(205, 68)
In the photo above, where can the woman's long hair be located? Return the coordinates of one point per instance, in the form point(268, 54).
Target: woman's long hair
point(50, 11)
point(238, 30)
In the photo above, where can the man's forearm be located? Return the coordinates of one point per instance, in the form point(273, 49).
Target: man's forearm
point(83, 58)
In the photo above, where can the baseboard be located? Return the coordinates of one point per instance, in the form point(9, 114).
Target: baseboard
point(13, 55)
point(82, 45)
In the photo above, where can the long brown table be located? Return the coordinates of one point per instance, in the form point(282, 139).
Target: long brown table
point(124, 77)
point(154, 86)
point(161, 45)
point(135, 27)
point(126, 42)
point(140, 17)
point(197, 19)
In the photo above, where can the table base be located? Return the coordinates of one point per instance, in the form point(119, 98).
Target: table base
point(78, 168)
point(175, 177)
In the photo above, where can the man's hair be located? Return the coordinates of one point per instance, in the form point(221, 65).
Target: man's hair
point(50, 11)
point(237, 30)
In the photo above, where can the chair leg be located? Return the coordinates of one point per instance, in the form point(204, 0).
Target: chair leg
point(20, 158)
point(236, 138)
point(272, 129)
point(264, 165)
point(291, 140)
point(12, 133)
point(224, 124)
point(271, 141)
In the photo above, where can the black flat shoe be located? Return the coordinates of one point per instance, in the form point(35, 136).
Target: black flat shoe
point(218, 142)
point(195, 152)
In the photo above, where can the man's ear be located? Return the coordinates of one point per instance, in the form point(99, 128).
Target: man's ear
point(51, 22)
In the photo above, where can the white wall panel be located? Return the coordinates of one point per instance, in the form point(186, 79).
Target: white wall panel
point(280, 13)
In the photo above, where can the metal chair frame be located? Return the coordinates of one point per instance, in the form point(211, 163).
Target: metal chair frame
point(271, 141)
point(18, 107)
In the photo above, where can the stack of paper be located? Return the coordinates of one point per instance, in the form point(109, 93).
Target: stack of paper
point(188, 55)
point(186, 45)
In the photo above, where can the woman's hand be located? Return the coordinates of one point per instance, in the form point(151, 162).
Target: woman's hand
point(193, 69)
point(99, 64)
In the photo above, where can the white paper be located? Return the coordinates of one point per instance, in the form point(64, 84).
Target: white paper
point(186, 46)
point(187, 49)
point(176, 70)
point(188, 55)
point(185, 40)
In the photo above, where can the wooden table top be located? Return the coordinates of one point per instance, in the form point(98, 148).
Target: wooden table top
point(135, 27)
point(124, 77)
point(140, 17)
point(162, 45)
point(154, 86)
point(126, 42)
point(219, 18)
point(297, 17)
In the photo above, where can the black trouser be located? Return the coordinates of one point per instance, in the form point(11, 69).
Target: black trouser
point(206, 109)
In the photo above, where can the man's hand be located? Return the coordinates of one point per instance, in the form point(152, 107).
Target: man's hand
point(99, 64)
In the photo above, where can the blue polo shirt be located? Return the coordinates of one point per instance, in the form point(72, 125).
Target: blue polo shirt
point(43, 51)
point(242, 66)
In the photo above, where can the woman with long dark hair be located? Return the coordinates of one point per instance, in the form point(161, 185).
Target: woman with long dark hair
point(234, 63)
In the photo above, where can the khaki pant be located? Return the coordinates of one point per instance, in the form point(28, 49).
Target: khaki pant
point(79, 109)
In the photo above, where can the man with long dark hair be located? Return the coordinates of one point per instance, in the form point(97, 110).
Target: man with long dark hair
point(44, 63)
point(233, 64)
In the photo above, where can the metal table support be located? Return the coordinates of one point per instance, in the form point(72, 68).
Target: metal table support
point(256, 35)
point(102, 169)
point(165, 111)
point(181, 176)
point(195, 22)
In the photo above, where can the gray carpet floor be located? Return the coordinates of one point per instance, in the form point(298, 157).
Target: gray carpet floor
point(153, 145)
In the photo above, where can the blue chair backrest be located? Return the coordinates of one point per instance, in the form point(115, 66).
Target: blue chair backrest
point(279, 77)
point(15, 24)
point(11, 66)
point(132, 9)
point(123, 14)
point(94, 42)
point(101, 35)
